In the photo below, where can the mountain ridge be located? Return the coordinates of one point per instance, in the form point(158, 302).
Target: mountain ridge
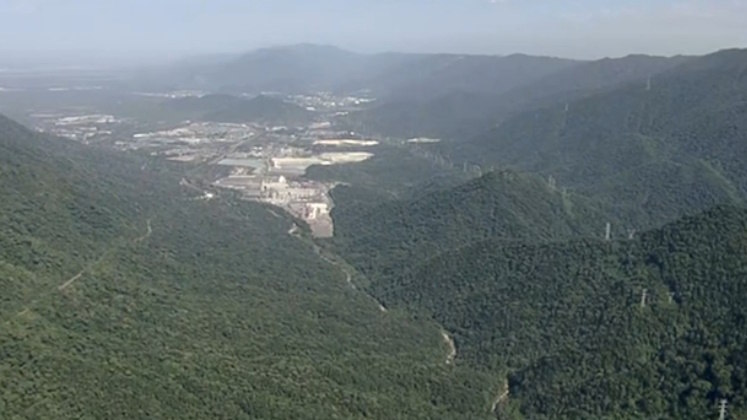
point(460, 114)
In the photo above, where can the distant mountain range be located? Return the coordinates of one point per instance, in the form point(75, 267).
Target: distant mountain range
point(307, 68)
point(459, 113)
point(418, 94)
point(449, 96)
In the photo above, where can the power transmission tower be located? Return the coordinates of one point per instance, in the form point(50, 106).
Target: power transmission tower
point(722, 410)
point(608, 232)
point(644, 296)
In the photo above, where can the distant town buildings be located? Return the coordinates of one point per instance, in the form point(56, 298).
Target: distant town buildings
point(266, 163)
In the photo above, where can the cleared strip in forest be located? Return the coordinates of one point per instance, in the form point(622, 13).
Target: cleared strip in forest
point(69, 282)
point(72, 280)
point(139, 239)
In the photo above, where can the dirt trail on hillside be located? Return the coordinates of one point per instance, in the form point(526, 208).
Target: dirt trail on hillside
point(69, 282)
point(148, 232)
point(72, 280)
point(295, 231)
point(451, 355)
point(500, 398)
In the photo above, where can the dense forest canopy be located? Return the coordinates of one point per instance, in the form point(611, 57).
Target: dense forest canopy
point(575, 246)
point(641, 328)
point(389, 237)
point(515, 263)
point(121, 296)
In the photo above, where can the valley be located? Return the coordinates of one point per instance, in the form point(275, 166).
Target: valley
point(417, 236)
point(263, 162)
point(168, 285)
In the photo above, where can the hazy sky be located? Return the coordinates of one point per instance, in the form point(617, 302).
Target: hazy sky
point(572, 28)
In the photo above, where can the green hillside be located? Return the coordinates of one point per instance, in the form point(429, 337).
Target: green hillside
point(685, 131)
point(584, 258)
point(123, 296)
point(430, 76)
point(565, 324)
point(514, 266)
point(387, 239)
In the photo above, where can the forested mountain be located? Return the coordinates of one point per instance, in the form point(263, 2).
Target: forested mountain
point(646, 328)
point(385, 240)
point(676, 143)
point(514, 265)
point(396, 171)
point(466, 279)
point(441, 95)
point(227, 108)
point(454, 115)
point(124, 296)
point(461, 112)
point(594, 76)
